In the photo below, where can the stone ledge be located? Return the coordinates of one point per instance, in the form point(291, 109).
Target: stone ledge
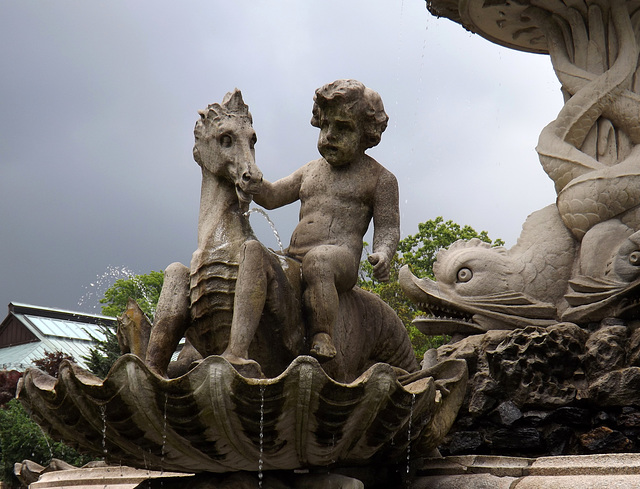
point(613, 471)
point(605, 464)
point(577, 482)
point(99, 477)
point(478, 464)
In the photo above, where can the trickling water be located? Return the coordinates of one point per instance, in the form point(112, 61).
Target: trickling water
point(332, 459)
point(260, 461)
point(413, 401)
point(273, 226)
point(103, 415)
point(164, 433)
point(44, 435)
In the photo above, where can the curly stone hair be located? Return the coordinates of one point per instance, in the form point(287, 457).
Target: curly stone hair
point(355, 97)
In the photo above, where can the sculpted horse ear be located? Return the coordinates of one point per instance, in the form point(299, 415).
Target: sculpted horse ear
point(234, 103)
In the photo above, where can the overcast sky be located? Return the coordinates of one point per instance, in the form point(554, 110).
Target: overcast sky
point(98, 101)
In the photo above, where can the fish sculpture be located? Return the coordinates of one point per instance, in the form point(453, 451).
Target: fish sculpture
point(479, 287)
point(577, 260)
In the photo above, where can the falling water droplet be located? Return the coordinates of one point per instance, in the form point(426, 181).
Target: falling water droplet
point(103, 415)
point(413, 401)
point(44, 435)
point(260, 461)
point(164, 434)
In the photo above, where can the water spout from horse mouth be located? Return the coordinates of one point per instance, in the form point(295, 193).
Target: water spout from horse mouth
point(243, 197)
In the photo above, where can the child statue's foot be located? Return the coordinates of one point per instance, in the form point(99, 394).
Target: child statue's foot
point(322, 347)
point(245, 367)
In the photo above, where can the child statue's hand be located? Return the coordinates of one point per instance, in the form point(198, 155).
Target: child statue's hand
point(381, 266)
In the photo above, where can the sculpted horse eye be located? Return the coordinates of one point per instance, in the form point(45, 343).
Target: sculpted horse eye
point(634, 258)
point(464, 275)
point(226, 141)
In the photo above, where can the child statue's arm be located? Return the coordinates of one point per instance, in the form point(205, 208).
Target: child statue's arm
point(279, 193)
point(386, 225)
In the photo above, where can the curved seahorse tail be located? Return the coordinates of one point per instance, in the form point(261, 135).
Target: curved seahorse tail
point(589, 192)
point(589, 201)
point(586, 105)
point(563, 162)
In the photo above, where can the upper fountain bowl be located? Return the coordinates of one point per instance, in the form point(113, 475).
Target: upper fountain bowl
point(510, 23)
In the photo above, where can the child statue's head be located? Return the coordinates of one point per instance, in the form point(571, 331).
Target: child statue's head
point(364, 103)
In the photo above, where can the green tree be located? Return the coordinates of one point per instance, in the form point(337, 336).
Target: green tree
point(145, 289)
point(419, 252)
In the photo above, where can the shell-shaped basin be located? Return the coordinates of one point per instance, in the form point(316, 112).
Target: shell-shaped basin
point(215, 420)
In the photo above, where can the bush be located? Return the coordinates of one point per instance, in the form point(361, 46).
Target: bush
point(8, 383)
point(22, 439)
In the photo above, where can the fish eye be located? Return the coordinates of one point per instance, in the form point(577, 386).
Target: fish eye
point(634, 258)
point(465, 274)
point(226, 141)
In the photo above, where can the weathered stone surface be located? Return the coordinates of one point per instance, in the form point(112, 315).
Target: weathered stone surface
point(605, 440)
point(507, 413)
point(465, 442)
point(568, 472)
point(579, 481)
point(572, 416)
point(633, 348)
point(518, 441)
point(120, 477)
point(541, 373)
point(474, 481)
point(605, 350)
point(535, 365)
point(617, 388)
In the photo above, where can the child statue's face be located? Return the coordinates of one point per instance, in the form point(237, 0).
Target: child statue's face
point(341, 134)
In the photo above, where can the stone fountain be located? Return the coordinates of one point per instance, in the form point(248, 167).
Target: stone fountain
point(290, 375)
point(276, 387)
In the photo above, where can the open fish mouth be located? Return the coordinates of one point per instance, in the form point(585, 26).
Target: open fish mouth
point(473, 314)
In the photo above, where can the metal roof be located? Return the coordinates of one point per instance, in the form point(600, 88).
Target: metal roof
point(56, 329)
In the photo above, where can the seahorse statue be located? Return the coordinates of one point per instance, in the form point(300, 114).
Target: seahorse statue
point(197, 302)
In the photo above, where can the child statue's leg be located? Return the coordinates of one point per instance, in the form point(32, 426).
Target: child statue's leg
point(327, 271)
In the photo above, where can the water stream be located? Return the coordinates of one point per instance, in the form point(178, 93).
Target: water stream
point(46, 439)
point(413, 401)
point(164, 433)
point(96, 289)
point(263, 213)
point(260, 461)
point(103, 415)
